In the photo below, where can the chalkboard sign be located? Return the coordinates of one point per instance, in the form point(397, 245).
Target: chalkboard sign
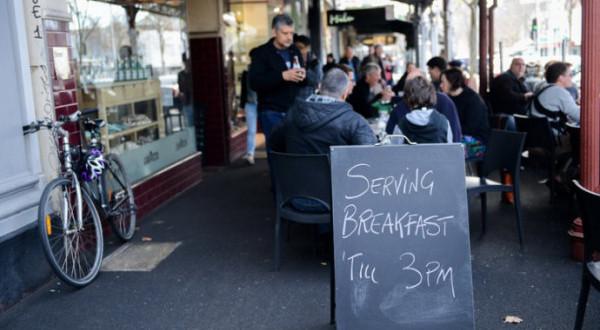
point(401, 237)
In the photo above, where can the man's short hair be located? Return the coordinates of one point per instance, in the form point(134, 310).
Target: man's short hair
point(371, 67)
point(418, 93)
point(437, 62)
point(281, 19)
point(334, 83)
point(302, 39)
point(554, 71)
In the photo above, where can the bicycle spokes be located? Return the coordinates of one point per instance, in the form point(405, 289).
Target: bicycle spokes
point(73, 244)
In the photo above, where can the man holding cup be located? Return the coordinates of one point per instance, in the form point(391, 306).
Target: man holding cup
point(276, 74)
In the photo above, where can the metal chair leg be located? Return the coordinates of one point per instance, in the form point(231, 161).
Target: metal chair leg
point(583, 297)
point(483, 197)
point(277, 252)
point(517, 201)
point(332, 282)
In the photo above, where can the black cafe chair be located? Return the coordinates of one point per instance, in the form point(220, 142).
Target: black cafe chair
point(304, 176)
point(503, 154)
point(540, 136)
point(589, 207)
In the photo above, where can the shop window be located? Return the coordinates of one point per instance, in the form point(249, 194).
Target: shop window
point(130, 59)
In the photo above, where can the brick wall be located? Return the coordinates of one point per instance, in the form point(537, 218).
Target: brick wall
point(210, 91)
point(64, 90)
point(167, 184)
point(238, 145)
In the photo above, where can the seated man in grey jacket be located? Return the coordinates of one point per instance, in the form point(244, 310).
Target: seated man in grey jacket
point(320, 121)
point(554, 100)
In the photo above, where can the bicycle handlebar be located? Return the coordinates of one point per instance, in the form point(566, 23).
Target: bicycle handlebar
point(50, 124)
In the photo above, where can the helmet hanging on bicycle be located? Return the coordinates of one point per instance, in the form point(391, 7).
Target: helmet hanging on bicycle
point(94, 165)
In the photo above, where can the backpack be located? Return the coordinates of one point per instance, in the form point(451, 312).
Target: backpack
point(554, 115)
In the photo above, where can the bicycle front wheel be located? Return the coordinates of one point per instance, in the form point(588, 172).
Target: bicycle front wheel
point(121, 203)
point(73, 249)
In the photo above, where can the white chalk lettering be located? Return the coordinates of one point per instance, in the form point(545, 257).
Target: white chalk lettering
point(365, 271)
point(434, 273)
point(361, 177)
point(409, 182)
point(368, 222)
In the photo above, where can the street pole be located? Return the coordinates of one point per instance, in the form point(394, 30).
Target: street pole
point(492, 41)
point(483, 47)
point(590, 96)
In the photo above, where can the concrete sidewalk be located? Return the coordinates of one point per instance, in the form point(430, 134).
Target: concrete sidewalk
point(217, 269)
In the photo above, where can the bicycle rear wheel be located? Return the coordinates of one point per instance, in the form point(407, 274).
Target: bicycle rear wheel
point(74, 253)
point(121, 203)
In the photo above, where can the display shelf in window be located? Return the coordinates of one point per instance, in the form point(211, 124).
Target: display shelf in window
point(132, 111)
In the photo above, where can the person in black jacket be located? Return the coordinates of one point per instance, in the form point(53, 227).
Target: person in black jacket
point(313, 74)
point(277, 74)
point(435, 66)
point(472, 111)
point(324, 120)
point(508, 93)
point(351, 61)
point(399, 87)
point(369, 90)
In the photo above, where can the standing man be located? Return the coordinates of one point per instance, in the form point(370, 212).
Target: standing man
point(376, 57)
point(435, 66)
point(508, 92)
point(277, 74)
point(184, 80)
point(351, 61)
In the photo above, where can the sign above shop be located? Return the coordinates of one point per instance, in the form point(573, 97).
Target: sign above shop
point(378, 20)
point(340, 19)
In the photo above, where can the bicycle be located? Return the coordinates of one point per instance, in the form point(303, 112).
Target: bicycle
point(69, 222)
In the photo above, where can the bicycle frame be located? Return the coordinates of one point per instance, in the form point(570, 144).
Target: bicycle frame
point(68, 172)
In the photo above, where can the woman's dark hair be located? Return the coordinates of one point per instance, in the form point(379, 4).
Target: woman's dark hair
point(302, 39)
point(418, 93)
point(554, 71)
point(455, 78)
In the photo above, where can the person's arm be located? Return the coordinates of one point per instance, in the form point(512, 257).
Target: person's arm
point(262, 77)
point(392, 120)
point(447, 108)
point(506, 91)
point(362, 133)
point(569, 107)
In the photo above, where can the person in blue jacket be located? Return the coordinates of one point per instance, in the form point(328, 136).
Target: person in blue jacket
point(444, 105)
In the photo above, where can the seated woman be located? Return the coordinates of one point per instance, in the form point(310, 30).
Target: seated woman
point(472, 112)
point(423, 124)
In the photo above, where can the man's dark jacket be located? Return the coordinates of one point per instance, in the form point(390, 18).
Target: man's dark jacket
point(359, 99)
point(444, 105)
point(311, 127)
point(353, 64)
point(273, 92)
point(507, 94)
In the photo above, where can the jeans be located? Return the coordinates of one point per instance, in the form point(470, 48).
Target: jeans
point(251, 117)
point(268, 120)
point(188, 112)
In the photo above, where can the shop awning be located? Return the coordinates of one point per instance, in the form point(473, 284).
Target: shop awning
point(372, 21)
point(161, 7)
